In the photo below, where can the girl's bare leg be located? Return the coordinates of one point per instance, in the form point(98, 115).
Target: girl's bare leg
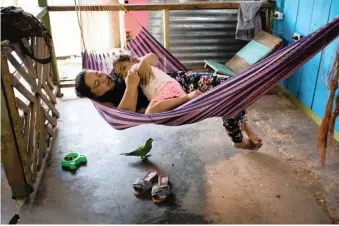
point(170, 104)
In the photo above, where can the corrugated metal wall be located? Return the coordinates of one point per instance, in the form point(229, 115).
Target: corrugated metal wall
point(198, 35)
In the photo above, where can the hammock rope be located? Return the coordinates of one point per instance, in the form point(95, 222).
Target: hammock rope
point(87, 17)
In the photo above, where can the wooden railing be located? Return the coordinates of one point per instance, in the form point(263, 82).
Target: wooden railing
point(158, 6)
point(29, 116)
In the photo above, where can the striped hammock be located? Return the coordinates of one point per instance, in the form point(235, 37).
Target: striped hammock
point(230, 97)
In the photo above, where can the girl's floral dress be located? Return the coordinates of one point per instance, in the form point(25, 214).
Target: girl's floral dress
point(205, 81)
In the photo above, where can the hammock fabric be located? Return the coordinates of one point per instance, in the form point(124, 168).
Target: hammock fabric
point(230, 97)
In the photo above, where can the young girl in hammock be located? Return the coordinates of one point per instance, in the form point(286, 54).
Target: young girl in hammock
point(163, 92)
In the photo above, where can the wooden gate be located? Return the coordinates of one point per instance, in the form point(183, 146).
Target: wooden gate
point(28, 114)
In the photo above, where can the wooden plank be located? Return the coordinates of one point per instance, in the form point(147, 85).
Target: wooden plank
point(22, 123)
point(32, 137)
point(67, 85)
point(21, 70)
point(26, 60)
point(302, 27)
point(14, 116)
point(42, 3)
point(270, 19)
point(50, 131)
point(41, 127)
point(52, 120)
point(40, 52)
point(67, 80)
point(10, 155)
point(278, 24)
point(33, 84)
point(49, 92)
point(288, 25)
point(26, 134)
point(45, 67)
point(21, 105)
point(46, 141)
point(321, 94)
point(158, 6)
point(50, 82)
point(35, 48)
point(310, 69)
point(165, 22)
point(35, 140)
point(31, 63)
point(22, 89)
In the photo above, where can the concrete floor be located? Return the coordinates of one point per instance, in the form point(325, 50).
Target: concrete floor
point(212, 181)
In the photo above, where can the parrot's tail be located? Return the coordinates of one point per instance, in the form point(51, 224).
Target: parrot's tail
point(126, 154)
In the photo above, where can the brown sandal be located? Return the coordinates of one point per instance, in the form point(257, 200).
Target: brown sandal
point(140, 186)
point(162, 190)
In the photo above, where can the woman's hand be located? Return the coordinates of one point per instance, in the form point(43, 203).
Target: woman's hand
point(132, 78)
point(130, 97)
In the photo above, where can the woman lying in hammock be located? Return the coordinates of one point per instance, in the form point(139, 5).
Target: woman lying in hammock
point(126, 94)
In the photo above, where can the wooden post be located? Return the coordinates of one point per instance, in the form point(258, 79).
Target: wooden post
point(122, 29)
point(54, 65)
point(270, 16)
point(166, 27)
point(270, 20)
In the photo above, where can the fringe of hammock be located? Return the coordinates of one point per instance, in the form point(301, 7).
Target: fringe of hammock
point(325, 135)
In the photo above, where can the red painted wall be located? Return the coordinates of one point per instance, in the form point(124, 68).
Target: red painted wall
point(141, 16)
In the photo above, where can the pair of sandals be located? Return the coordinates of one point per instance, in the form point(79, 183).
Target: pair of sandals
point(160, 191)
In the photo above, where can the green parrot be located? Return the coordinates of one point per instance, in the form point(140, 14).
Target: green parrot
point(142, 150)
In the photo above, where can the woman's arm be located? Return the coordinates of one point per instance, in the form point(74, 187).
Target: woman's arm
point(141, 110)
point(130, 98)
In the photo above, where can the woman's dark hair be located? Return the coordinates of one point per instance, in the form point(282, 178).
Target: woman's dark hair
point(113, 96)
point(81, 89)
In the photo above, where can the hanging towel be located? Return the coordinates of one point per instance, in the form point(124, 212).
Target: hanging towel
point(249, 20)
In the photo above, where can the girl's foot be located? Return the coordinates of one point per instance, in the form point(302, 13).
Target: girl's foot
point(193, 94)
point(247, 144)
point(251, 134)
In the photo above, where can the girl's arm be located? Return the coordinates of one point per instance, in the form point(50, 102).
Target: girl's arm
point(144, 68)
point(130, 98)
point(152, 59)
